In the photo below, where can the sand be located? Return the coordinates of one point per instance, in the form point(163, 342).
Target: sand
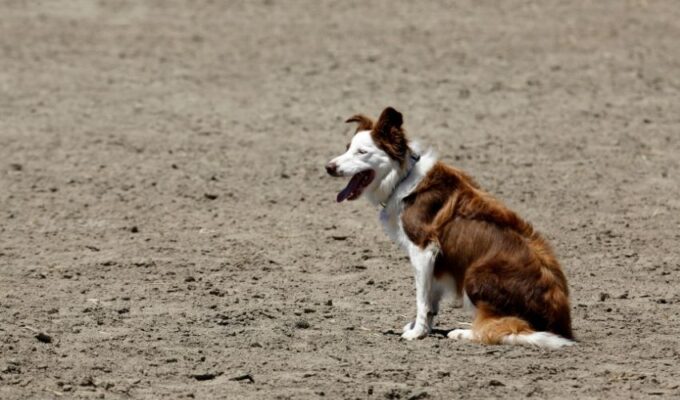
point(167, 225)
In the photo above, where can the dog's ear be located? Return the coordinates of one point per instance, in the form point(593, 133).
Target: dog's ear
point(389, 135)
point(390, 118)
point(364, 123)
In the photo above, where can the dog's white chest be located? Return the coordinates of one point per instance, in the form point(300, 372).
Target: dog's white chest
point(390, 215)
point(390, 218)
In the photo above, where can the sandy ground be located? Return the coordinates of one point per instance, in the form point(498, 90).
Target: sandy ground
point(166, 221)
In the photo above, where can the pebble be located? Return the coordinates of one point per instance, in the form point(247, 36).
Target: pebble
point(206, 376)
point(43, 337)
point(302, 324)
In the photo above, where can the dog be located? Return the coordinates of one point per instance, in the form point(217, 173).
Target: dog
point(458, 238)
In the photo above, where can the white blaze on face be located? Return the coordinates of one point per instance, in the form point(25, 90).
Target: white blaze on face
point(363, 160)
point(358, 154)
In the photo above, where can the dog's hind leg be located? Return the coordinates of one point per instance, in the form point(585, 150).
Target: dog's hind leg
point(489, 328)
point(427, 299)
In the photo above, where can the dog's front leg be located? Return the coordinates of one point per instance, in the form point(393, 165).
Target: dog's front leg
point(422, 261)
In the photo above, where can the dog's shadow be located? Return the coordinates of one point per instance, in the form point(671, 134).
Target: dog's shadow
point(434, 332)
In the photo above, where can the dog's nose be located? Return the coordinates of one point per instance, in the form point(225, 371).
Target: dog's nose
point(332, 169)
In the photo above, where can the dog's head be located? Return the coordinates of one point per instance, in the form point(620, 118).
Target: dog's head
point(377, 150)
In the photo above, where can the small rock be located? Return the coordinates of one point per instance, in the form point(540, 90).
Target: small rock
point(245, 377)
point(329, 303)
point(419, 396)
point(124, 310)
point(206, 376)
point(134, 229)
point(189, 279)
point(495, 382)
point(43, 337)
point(604, 296)
point(210, 196)
point(302, 324)
point(87, 381)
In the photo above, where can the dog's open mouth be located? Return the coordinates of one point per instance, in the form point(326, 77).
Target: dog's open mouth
point(356, 185)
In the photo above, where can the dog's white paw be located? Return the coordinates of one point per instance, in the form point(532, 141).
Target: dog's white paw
point(460, 334)
point(417, 332)
point(408, 326)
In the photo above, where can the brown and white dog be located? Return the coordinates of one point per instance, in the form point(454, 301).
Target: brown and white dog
point(458, 238)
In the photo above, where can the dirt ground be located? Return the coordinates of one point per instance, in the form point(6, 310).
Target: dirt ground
point(166, 221)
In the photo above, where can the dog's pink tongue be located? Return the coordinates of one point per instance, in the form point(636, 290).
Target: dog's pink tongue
point(351, 187)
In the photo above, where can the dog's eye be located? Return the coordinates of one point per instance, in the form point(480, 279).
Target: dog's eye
point(361, 151)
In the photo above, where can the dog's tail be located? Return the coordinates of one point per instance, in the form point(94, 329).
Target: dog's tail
point(492, 329)
point(546, 340)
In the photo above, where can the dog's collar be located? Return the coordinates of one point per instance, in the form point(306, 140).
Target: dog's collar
point(415, 158)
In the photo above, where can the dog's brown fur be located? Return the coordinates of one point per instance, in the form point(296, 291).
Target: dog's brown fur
point(364, 123)
point(505, 267)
